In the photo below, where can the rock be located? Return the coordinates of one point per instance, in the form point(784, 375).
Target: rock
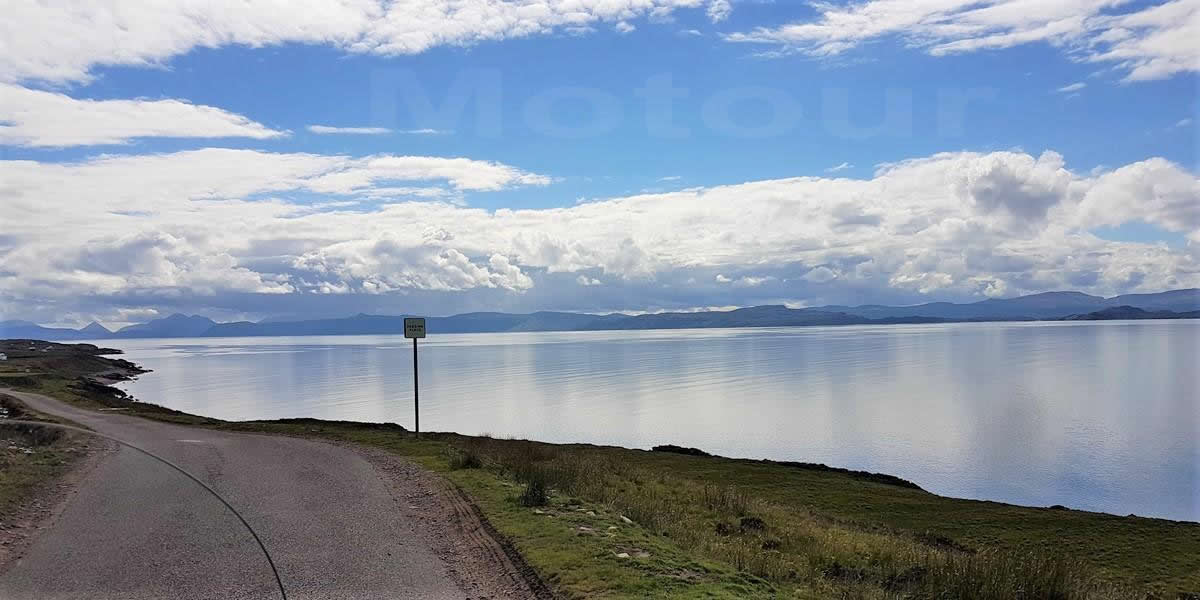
point(591, 513)
point(623, 555)
point(538, 511)
point(626, 520)
point(612, 527)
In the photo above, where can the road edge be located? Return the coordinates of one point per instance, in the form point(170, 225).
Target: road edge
point(43, 507)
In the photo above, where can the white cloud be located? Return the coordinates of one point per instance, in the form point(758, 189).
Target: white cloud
point(389, 263)
point(181, 183)
point(47, 119)
point(671, 178)
point(1074, 87)
point(1183, 123)
point(841, 167)
point(326, 129)
point(719, 10)
point(162, 264)
point(753, 281)
point(1155, 191)
point(64, 42)
point(217, 223)
point(820, 274)
point(331, 130)
point(1151, 42)
point(624, 27)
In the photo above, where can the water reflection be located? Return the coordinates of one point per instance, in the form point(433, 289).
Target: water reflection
point(1099, 416)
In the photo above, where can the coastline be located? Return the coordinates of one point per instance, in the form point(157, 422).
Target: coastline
point(847, 501)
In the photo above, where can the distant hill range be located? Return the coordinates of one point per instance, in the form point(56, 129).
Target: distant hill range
point(1071, 306)
point(1127, 313)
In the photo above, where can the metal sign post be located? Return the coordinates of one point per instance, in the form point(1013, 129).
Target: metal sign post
point(414, 327)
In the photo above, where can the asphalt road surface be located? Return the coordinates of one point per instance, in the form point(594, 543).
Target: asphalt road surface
point(134, 529)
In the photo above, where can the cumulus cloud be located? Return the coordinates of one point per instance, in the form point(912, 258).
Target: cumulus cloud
point(1151, 42)
point(1154, 191)
point(64, 42)
point(159, 263)
point(191, 212)
point(226, 227)
point(391, 263)
point(47, 119)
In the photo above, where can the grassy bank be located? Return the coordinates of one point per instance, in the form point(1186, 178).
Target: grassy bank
point(30, 456)
point(717, 527)
point(619, 523)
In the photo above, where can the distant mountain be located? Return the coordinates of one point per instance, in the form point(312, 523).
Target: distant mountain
point(1046, 306)
point(1049, 305)
point(33, 331)
point(370, 324)
point(95, 330)
point(1130, 312)
point(176, 325)
point(1174, 300)
point(757, 316)
point(560, 321)
point(479, 322)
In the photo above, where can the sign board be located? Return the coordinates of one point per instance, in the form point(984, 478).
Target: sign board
point(414, 327)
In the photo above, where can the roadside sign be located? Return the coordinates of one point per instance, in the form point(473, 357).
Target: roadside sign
point(414, 327)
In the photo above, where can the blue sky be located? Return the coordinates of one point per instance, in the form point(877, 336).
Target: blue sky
point(641, 122)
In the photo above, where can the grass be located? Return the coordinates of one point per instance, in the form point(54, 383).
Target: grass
point(603, 522)
point(734, 528)
point(30, 456)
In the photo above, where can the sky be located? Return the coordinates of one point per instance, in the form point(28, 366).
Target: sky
point(247, 159)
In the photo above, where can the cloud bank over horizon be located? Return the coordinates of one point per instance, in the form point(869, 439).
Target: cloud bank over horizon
point(245, 233)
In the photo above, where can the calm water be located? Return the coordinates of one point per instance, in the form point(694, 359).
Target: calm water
point(1099, 416)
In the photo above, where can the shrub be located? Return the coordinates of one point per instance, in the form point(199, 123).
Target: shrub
point(465, 458)
point(672, 448)
point(536, 492)
point(752, 524)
